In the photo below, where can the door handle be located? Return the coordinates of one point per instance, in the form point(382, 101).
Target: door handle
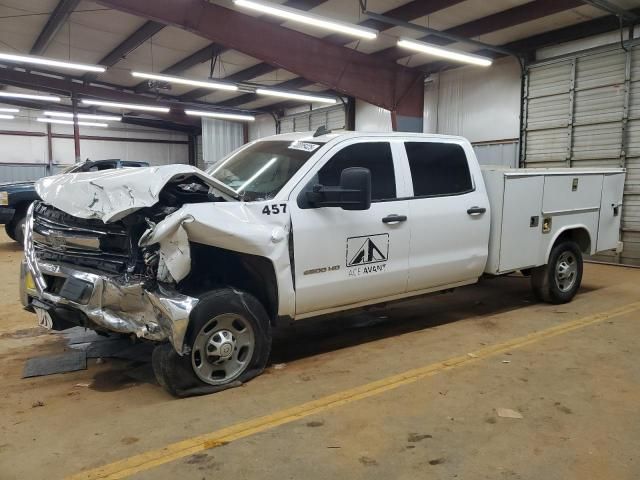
point(476, 210)
point(393, 218)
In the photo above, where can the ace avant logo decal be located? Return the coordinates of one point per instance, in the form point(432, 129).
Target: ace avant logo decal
point(367, 254)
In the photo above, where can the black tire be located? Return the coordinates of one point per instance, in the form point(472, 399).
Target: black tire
point(18, 223)
point(559, 280)
point(8, 227)
point(218, 315)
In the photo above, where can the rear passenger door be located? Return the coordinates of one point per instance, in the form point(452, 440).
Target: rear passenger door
point(345, 257)
point(448, 215)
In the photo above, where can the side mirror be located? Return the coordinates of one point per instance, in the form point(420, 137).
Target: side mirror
point(353, 193)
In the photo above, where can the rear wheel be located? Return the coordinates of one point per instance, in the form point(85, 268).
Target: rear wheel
point(559, 280)
point(230, 340)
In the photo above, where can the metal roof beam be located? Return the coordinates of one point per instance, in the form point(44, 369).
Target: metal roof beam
point(293, 84)
point(248, 73)
point(528, 46)
point(491, 23)
point(609, 7)
point(196, 58)
point(133, 41)
point(408, 11)
point(57, 19)
point(214, 49)
point(67, 87)
point(385, 84)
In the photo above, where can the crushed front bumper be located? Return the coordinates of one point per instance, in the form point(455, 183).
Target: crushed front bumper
point(109, 302)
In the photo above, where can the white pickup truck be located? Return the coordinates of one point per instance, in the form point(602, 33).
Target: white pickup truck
point(295, 226)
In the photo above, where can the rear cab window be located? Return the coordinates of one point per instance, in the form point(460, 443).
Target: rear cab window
point(438, 169)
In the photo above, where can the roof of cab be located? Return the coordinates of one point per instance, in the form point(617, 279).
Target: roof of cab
point(343, 134)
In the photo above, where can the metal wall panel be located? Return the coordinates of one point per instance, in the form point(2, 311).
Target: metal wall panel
point(547, 145)
point(219, 137)
point(583, 110)
point(331, 117)
point(499, 153)
point(17, 172)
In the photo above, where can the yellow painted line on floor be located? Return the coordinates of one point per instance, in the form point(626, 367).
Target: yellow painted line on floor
point(175, 451)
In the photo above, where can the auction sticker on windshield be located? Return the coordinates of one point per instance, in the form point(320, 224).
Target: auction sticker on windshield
point(304, 146)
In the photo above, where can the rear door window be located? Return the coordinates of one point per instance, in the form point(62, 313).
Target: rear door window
point(438, 169)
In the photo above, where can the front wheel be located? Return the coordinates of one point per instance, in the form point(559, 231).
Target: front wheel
point(229, 338)
point(559, 280)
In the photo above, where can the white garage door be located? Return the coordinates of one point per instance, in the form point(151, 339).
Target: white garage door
point(332, 117)
point(584, 111)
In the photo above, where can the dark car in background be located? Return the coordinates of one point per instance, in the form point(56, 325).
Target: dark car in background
point(15, 197)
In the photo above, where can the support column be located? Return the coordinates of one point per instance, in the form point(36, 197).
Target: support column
point(49, 151)
point(408, 116)
point(76, 129)
point(192, 150)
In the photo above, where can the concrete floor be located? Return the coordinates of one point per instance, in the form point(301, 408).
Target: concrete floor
point(577, 390)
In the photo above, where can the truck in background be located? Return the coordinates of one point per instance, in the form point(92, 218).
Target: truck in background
point(15, 197)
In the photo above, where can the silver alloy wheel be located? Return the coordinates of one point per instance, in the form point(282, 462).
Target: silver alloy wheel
point(566, 271)
point(223, 349)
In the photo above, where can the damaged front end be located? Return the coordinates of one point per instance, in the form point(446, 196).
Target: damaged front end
point(73, 294)
point(131, 252)
point(84, 271)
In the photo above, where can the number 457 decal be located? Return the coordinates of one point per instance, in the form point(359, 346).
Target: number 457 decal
point(275, 209)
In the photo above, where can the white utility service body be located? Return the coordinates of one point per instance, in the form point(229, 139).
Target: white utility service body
point(300, 225)
point(567, 198)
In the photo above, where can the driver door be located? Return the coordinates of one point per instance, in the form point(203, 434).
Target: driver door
point(346, 257)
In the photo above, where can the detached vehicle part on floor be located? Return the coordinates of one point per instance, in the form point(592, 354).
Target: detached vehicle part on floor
point(15, 197)
point(295, 226)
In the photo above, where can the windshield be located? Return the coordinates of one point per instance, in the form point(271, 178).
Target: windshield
point(259, 171)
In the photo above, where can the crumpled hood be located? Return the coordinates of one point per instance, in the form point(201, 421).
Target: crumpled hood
point(113, 194)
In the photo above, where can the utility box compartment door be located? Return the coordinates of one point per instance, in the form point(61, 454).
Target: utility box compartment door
point(610, 212)
point(521, 222)
point(567, 193)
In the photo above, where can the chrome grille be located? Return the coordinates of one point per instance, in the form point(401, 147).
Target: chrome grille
point(60, 237)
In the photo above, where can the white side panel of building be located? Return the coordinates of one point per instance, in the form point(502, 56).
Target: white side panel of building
point(219, 137)
point(370, 118)
point(482, 105)
point(264, 126)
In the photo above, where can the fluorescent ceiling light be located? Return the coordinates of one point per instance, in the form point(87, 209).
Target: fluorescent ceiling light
point(131, 106)
point(186, 81)
point(9, 110)
point(71, 122)
point(6, 117)
point(28, 96)
point(307, 18)
point(32, 59)
point(443, 52)
point(223, 116)
point(86, 116)
point(295, 96)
